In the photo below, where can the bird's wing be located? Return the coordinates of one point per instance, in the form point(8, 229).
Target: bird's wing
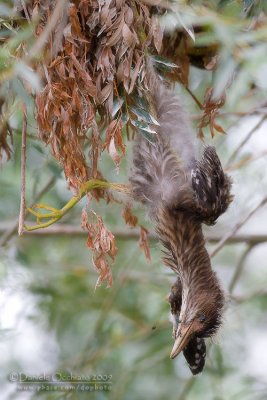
point(211, 187)
point(195, 354)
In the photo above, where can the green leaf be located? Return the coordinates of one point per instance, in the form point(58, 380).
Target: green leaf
point(140, 101)
point(19, 90)
point(143, 115)
point(147, 136)
point(23, 35)
point(7, 25)
point(161, 60)
point(143, 126)
point(189, 30)
point(27, 73)
point(125, 118)
point(144, 129)
point(117, 105)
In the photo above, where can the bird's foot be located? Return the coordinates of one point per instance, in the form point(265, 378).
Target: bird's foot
point(54, 215)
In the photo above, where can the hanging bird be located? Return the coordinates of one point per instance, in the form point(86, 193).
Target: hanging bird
point(180, 193)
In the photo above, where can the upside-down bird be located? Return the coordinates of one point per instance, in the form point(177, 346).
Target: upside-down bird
point(180, 193)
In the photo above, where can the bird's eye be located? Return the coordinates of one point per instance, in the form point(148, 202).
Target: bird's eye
point(201, 319)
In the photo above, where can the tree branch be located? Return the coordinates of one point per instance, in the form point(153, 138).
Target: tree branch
point(23, 172)
point(249, 296)
point(236, 227)
point(188, 385)
point(246, 160)
point(246, 139)
point(240, 267)
point(131, 234)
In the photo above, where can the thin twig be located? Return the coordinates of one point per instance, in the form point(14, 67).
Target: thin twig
point(249, 296)
point(13, 229)
point(236, 227)
point(240, 267)
point(246, 160)
point(187, 388)
point(131, 234)
point(194, 98)
point(227, 114)
point(246, 139)
point(23, 171)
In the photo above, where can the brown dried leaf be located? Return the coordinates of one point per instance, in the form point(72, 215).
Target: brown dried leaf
point(212, 63)
point(84, 76)
point(129, 37)
point(74, 19)
point(114, 154)
point(157, 33)
point(219, 128)
point(143, 242)
point(84, 219)
point(105, 92)
point(211, 108)
point(129, 217)
point(116, 36)
point(129, 15)
point(102, 266)
point(114, 142)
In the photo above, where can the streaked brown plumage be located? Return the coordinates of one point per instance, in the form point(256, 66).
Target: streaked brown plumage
point(180, 193)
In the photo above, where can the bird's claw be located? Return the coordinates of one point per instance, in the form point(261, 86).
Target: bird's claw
point(54, 215)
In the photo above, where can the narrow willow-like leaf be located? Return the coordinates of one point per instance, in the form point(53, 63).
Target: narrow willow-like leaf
point(142, 125)
point(147, 136)
point(125, 118)
point(161, 60)
point(117, 104)
point(188, 29)
point(145, 130)
point(144, 115)
point(139, 101)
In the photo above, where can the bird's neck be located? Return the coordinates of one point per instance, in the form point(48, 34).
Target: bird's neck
point(181, 234)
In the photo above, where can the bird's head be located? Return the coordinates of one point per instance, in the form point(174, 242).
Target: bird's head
point(200, 314)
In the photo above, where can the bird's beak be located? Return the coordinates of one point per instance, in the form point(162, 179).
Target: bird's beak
point(181, 340)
